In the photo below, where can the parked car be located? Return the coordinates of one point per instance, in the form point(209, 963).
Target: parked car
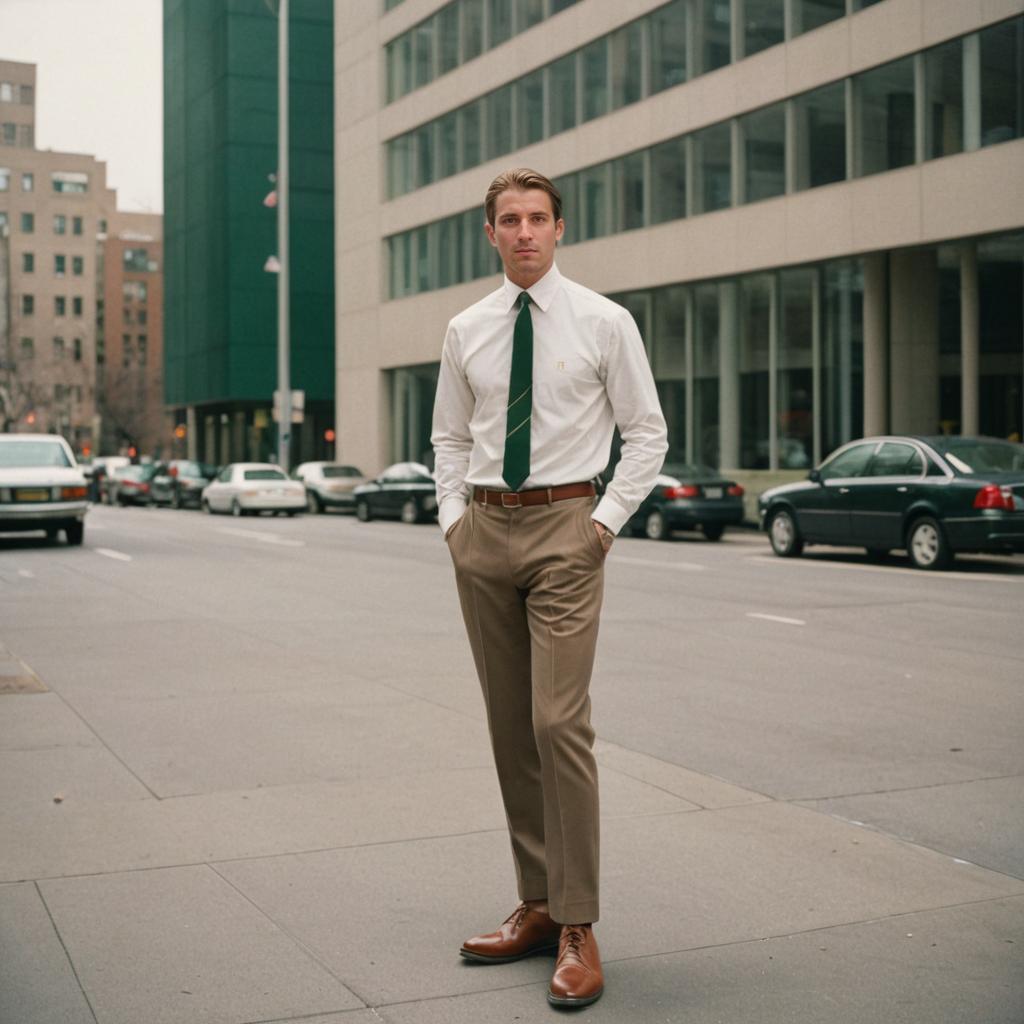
point(41, 486)
point(932, 496)
point(180, 482)
point(329, 484)
point(404, 491)
point(130, 485)
point(248, 488)
point(688, 497)
point(97, 472)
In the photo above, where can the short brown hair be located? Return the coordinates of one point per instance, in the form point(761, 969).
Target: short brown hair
point(521, 179)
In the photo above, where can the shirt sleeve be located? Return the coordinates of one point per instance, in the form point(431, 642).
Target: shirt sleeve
point(450, 436)
point(634, 399)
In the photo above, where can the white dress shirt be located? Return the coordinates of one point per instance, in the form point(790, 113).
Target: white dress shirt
point(590, 373)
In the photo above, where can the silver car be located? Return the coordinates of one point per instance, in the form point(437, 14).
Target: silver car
point(244, 488)
point(329, 484)
point(41, 486)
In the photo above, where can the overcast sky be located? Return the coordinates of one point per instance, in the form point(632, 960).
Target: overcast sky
point(99, 85)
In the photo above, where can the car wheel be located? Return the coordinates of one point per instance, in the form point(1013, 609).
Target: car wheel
point(75, 533)
point(410, 511)
point(236, 509)
point(927, 545)
point(363, 513)
point(713, 531)
point(656, 526)
point(314, 504)
point(785, 537)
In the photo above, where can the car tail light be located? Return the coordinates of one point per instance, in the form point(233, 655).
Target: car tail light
point(70, 493)
point(685, 491)
point(144, 488)
point(736, 490)
point(993, 496)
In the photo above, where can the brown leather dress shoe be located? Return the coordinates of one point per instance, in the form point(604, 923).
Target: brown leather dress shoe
point(578, 979)
point(524, 933)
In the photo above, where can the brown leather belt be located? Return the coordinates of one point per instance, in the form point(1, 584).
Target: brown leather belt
point(534, 496)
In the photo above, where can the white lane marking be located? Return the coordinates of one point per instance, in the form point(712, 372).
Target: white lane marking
point(681, 566)
point(776, 618)
point(903, 570)
point(27, 574)
point(267, 538)
point(120, 556)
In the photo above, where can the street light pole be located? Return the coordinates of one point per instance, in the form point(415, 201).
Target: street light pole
point(284, 386)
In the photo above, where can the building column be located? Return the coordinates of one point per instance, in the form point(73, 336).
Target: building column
point(210, 439)
point(728, 376)
point(970, 342)
point(238, 436)
point(914, 341)
point(876, 336)
point(191, 433)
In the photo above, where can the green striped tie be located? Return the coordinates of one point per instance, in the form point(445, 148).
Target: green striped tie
point(516, 467)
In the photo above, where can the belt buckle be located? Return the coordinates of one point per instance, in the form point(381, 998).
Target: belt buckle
point(511, 494)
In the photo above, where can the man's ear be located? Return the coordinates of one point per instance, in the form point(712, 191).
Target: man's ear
point(489, 231)
point(559, 229)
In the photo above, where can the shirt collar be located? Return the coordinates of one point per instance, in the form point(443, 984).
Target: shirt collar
point(542, 293)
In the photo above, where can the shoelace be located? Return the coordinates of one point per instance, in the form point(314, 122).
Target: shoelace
point(574, 939)
point(518, 915)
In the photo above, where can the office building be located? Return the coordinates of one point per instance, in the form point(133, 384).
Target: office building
point(814, 209)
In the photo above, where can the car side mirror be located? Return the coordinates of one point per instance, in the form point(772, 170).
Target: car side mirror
point(814, 476)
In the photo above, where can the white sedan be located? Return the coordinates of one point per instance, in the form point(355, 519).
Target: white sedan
point(41, 486)
point(245, 488)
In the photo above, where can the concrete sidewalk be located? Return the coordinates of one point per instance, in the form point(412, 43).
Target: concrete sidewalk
point(146, 879)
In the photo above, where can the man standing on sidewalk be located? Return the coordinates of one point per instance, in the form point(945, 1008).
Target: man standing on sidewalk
point(534, 378)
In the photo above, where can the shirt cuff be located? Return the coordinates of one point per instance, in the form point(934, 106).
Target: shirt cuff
point(450, 511)
point(610, 514)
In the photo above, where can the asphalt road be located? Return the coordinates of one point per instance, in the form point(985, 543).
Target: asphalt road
point(244, 777)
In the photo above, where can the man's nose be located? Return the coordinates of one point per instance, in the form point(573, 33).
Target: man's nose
point(524, 228)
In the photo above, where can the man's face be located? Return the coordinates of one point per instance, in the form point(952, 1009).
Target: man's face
point(524, 233)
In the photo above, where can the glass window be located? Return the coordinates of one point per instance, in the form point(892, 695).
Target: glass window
point(398, 55)
point(469, 124)
point(78, 349)
point(28, 263)
point(28, 182)
point(10, 133)
point(28, 223)
point(76, 225)
point(820, 136)
point(398, 261)
point(712, 156)
point(499, 22)
point(842, 354)
point(28, 305)
point(859, 5)
point(562, 94)
point(400, 165)
point(528, 13)
point(811, 14)
point(60, 265)
point(568, 189)
point(795, 380)
point(764, 151)
point(944, 99)
point(6, 92)
point(1002, 82)
point(449, 255)
point(60, 305)
point(763, 25)
point(472, 28)
point(28, 348)
point(668, 364)
point(712, 34)
point(142, 316)
point(850, 463)
point(896, 459)
point(448, 145)
point(668, 181)
point(595, 79)
point(755, 333)
point(76, 305)
point(629, 174)
point(423, 140)
point(75, 182)
point(530, 109)
point(706, 323)
point(594, 196)
point(5, 179)
point(58, 348)
point(60, 224)
point(447, 38)
point(626, 64)
point(884, 129)
point(668, 45)
point(499, 122)
point(423, 53)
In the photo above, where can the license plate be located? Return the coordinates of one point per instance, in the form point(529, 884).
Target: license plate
point(712, 492)
point(32, 495)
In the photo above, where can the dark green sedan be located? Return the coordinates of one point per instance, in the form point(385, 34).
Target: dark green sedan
point(932, 496)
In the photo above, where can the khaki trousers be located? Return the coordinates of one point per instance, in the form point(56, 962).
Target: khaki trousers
point(530, 584)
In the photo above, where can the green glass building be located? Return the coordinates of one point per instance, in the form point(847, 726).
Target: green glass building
point(220, 152)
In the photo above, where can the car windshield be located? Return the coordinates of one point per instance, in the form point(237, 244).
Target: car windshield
point(264, 474)
point(341, 471)
point(136, 472)
point(972, 456)
point(16, 454)
point(189, 469)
